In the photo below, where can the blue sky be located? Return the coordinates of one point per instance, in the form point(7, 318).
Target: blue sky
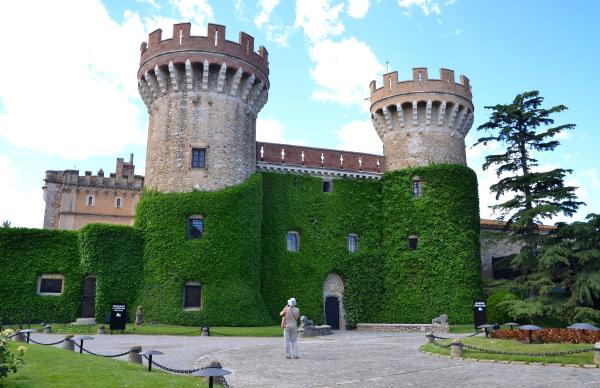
point(68, 88)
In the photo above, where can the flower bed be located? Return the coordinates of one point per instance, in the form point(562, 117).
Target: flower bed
point(550, 336)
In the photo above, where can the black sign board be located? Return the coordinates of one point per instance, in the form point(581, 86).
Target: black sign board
point(480, 313)
point(118, 316)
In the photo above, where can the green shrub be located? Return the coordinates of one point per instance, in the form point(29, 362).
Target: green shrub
point(496, 311)
point(9, 360)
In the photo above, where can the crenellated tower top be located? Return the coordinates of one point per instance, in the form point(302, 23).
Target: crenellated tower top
point(422, 120)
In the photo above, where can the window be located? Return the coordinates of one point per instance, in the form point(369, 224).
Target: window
point(50, 284)
point(327, 186)
point(198, 157)
point(91, 200)
point(417, 187)
point(192, 296)
point(119, 202)
point(293, 241)
point(352, 243)
point(195, 227)
point(413, 242)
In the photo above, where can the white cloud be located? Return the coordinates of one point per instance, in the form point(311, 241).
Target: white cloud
point(76, 97)
point(266, 7)
point(359, 136)
point(24, 208)
point(198, 12)
point(153, 3)
point(457, 31)
point(279, 34)
point(319, 19)
point(343, 71)
point(272, 131)
point(591, 176)
point(358, 8)
point(427, 6)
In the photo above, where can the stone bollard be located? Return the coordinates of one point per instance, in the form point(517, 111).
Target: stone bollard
point(101, 329)
point(20, 337)
point(68, 344)
point(205, 331)
point(139, 316)
point(430, 338)
point(134, 355)
point(456, 349)
point(597, 353)
point(47, 329)
point(219, 379)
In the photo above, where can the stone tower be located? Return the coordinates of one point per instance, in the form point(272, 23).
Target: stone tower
point(423, 120)
point(203, 95)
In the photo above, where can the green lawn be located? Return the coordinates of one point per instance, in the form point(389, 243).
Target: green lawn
point(51, 366)
point(462, 328)
point(515, 346)
point(158, 329)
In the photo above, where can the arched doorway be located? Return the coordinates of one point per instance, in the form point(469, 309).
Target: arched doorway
point(333, 302)
point(88, 298)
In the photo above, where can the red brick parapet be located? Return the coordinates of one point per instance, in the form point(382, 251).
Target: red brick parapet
point(287, 154)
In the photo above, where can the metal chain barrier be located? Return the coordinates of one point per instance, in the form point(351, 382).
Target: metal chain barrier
point(182, 371)
point(100, 355)
point(563, 353)
point(41, 343)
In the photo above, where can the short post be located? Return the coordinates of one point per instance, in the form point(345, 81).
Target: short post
point(48, 329)
point(430, 337)
point(206, 330)
point(19, 337)
point(68, 344)
point(139, 316)
point(456, 348)
point(134, 355)
point(101, 329)
point(597, 353)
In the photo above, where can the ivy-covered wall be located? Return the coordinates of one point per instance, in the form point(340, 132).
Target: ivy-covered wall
point(25, 255)
point(226, 260)
point(114, 255)
point(442, 276)
point(323, 221)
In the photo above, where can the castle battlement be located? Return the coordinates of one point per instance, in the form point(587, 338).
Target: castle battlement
point(422, 120)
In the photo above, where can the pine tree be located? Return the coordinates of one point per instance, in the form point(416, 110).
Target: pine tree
point(525, 129)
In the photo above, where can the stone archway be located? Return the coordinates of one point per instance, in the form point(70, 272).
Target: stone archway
point(333, 296)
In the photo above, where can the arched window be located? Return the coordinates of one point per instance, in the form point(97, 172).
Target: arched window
point(417, 187)
point(192, 296)
point(413, 243)
point(195, 226)
point(293, 241)
point(352, 243)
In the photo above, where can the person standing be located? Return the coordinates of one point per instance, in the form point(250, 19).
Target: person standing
point(290, 315)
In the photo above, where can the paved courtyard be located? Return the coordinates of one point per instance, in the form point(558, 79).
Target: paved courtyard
point(350, 359)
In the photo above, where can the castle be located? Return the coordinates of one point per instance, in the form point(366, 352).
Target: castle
point(227, 228)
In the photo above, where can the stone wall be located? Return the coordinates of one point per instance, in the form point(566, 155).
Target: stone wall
point(402, 327)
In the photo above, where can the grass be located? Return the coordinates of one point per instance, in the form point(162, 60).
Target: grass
point(462, 329)
point(55, 367)
point(586, 358)
point(158, 329)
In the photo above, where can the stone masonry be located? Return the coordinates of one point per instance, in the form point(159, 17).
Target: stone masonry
point(202, 92)
point(422, 120)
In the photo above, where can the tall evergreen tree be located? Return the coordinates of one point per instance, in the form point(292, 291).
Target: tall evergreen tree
point(524, 129)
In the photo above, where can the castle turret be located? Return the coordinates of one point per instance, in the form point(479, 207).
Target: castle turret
point(424, 120)
point(203, 95)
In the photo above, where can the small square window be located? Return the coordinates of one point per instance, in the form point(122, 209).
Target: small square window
point(50, 284)
point(417, 187)
point(119, 202)
point(198, 157)
point(91, 200)
point(413, 243)
point(327, 186)
point(352, 243)
point(293, 241)
point(195, 227)
point(192, 296)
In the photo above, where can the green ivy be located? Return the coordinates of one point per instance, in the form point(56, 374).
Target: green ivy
point(443, 276)
point(114, 255)
point(25, 255)
point(226, 260)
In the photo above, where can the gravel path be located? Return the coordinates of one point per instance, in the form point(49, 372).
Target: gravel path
point(344, 359)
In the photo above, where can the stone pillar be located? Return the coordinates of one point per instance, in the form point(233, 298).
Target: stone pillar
point(101, 329)
point(139, 316)
point(134, 355)
point(456, 349)
point(205, 331)
point(19, 337)
point(47, 329)
point(597, 353)
point(68, 344)
point(430, 338)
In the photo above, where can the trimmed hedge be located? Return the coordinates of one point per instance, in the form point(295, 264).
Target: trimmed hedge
point(226, 260)
point(25, 255)
point(114, 255)
point(443, 276)
point(323, 220)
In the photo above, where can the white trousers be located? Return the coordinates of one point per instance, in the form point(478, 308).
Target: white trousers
point(290, 338)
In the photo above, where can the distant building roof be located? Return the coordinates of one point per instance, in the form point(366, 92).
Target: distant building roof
point(500, 225)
